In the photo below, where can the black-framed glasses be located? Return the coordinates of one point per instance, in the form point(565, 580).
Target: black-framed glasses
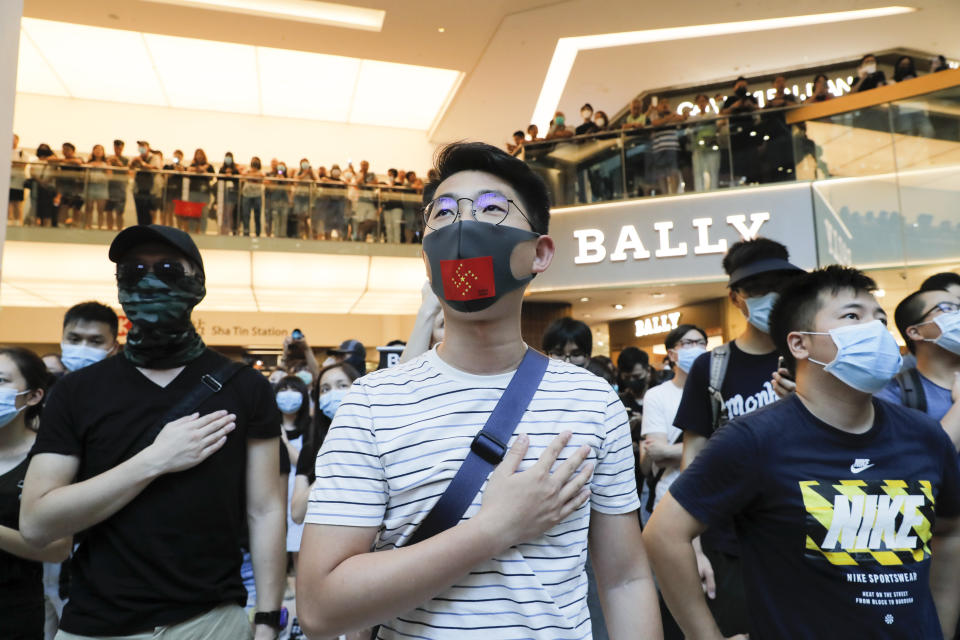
point(575, 356)
point(700, 342)
point(489, 207)
point(945, 307)
point(169, 271)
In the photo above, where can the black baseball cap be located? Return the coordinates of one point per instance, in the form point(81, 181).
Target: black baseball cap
point(350, 347)
point(765, 265)
point(155, 233)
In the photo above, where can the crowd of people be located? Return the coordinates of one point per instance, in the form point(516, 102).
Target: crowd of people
point(479, 487)
point(762, 147)
point(275, 199)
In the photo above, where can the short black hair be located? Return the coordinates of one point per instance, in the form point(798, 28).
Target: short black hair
point(392, 172)
point(34, 373)
point(631, 357)
point(586, 106)
point(564, 330)
point(940, 281)
point(93, 312)
point(69, 145)
point(908, 313)
point(799, 301)
point(519, 133)
point(745, 252)
point(818, 76)
point(677, 334)
point(868, 55)
point(739, 79)
point(479, 156)
point(118, 142)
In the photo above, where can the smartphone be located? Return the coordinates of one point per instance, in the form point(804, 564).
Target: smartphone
point(781, 364)
point(297, 334)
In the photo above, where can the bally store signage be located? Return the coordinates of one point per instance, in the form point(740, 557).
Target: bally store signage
point(674, 239)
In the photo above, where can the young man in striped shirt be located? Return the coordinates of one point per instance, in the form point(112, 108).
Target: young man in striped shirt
point(513, 567)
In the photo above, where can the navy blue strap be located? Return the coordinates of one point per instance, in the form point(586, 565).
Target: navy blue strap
point(487, 448)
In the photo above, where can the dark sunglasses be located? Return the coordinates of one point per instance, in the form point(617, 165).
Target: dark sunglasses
point(130, 273)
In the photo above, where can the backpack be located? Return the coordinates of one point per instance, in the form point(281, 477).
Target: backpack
point(912, 394)
point(719, 359)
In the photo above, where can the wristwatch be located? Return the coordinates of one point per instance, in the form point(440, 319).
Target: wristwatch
point(275, 619)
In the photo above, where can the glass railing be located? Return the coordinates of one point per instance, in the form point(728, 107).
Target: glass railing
point(757, 147)
point(60, 193)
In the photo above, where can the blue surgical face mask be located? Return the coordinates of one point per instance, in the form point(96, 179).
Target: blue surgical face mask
point(78, 356)
point(616, 388)
point(306, 376)
point(289, 400)
point(949, 337)
point(330, 401)
point(685, 357)
point(759, 310)
point(867, 355)
point(8, 405)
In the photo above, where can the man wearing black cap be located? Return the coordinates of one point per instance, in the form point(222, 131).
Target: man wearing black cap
point(353, 352)
point(156, 457)
point(733, 380)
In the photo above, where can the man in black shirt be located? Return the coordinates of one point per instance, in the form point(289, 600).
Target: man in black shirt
point(158, 500)
point(757, 269)
point(847, 506)
point(744, 140)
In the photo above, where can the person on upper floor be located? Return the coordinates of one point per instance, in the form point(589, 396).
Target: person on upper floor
point(199, 189)
point(868, 76)
point(665, 145)
point(24, 382)
point(929, 321)
point(173, 181)
point(228, 208)
point(145, 163)
point(70, 185)
point(558, 127)
point(534, 132)
point(588, 125)
point(515, 148)
point(776, 152)
point(637, 118)
point(905, 69)
point(43, 177)
point(601, 121)
point(821, 89)
point(89, 335)
point(730, 381)
point(835, 494)
point(939, 63)
point(117, 191)
point(97, 187)
point(705, 155)
point(251, 197)
point(744, 140)
point(18, 176)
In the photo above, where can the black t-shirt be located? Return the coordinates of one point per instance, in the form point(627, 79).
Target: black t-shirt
point(746, 387)
point(835, 527)
point(307, 462)
point(21, 580)
point(174, 550)
point(586, 127)
point(741, 125)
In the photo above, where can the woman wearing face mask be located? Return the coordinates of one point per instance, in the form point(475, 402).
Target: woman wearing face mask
point(868, 76)
point(588, 125)
point(228, 205)
point(96, 197)
point(199, 190)
point(24, 381)
point(251, 197)
point(601, 120)
point(293, 400)
point(301, 200)
point(335, 225)
point(821, 90)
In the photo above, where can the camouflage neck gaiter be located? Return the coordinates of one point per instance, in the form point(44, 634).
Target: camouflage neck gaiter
point(162, 336)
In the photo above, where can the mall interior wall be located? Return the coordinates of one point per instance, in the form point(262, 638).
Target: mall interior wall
point(54, 120)
point(10, 13)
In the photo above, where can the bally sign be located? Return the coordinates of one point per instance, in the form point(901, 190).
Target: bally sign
point(663, 323)
point(668, 240)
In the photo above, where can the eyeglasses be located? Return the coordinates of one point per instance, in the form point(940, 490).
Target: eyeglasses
point(945, 307)
point(683, 344)
point(575, 356)
point(130, 273)
point(490, 207)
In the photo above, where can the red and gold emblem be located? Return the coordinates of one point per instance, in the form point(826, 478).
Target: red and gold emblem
point(469, 279)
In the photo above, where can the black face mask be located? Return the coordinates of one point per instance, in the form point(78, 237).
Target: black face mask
point(741, 92)
point(470, 263)
point(637, 387)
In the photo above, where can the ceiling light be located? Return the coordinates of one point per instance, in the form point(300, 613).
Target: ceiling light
point(584, 299)
point(587, 315)
point(417, 94)
point(600, 343)
point(659, 294)
point(441, 29)
point(328, 13)
point(567, 49)
point(879, 293)
point(618, 307)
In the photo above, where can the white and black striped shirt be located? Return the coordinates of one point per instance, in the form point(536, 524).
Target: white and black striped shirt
point(395, 444)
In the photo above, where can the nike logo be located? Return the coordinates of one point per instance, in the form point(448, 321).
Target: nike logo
point(860, 464)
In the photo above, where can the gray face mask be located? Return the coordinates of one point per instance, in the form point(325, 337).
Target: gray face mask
point(470, 263)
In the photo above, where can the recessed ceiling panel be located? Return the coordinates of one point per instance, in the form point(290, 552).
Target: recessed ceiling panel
point(400, 95)
point(298, 84)
point(96, 63)
point(34, 75)
point(206, 75)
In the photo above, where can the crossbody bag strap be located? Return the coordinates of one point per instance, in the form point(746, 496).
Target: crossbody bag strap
point(487, 449)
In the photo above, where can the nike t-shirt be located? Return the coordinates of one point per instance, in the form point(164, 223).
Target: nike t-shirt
point(835, 527)
point(746, 387)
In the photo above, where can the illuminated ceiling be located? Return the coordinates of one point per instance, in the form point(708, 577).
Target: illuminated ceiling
point(96, 63)
point(325, 13)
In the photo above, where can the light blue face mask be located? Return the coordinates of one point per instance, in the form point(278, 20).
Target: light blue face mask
point(289, 400)
point(616, 388)
point(867, 355)
point(685, 357)
point(306, 376)
point(949, 337)
point(330, 401)
point(78, 356)
point(759, 310)
point(8, 405)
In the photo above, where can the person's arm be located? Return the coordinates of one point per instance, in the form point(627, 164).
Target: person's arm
point(944, 569)
point(419, 341)
point(53, 508)
point(266, 520)
point(13, 543)
point(300, 498)
point(656, 447)
point(951, 420)
point(693, 444)
point(624, 581)
point(343, 586)
point(669, 536)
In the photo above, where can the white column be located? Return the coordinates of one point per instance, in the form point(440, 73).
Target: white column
point(10, 14)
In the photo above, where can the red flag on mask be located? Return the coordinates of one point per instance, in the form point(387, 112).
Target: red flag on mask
point(469, 279)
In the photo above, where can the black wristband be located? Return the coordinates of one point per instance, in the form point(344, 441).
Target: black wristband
point(272, 619)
